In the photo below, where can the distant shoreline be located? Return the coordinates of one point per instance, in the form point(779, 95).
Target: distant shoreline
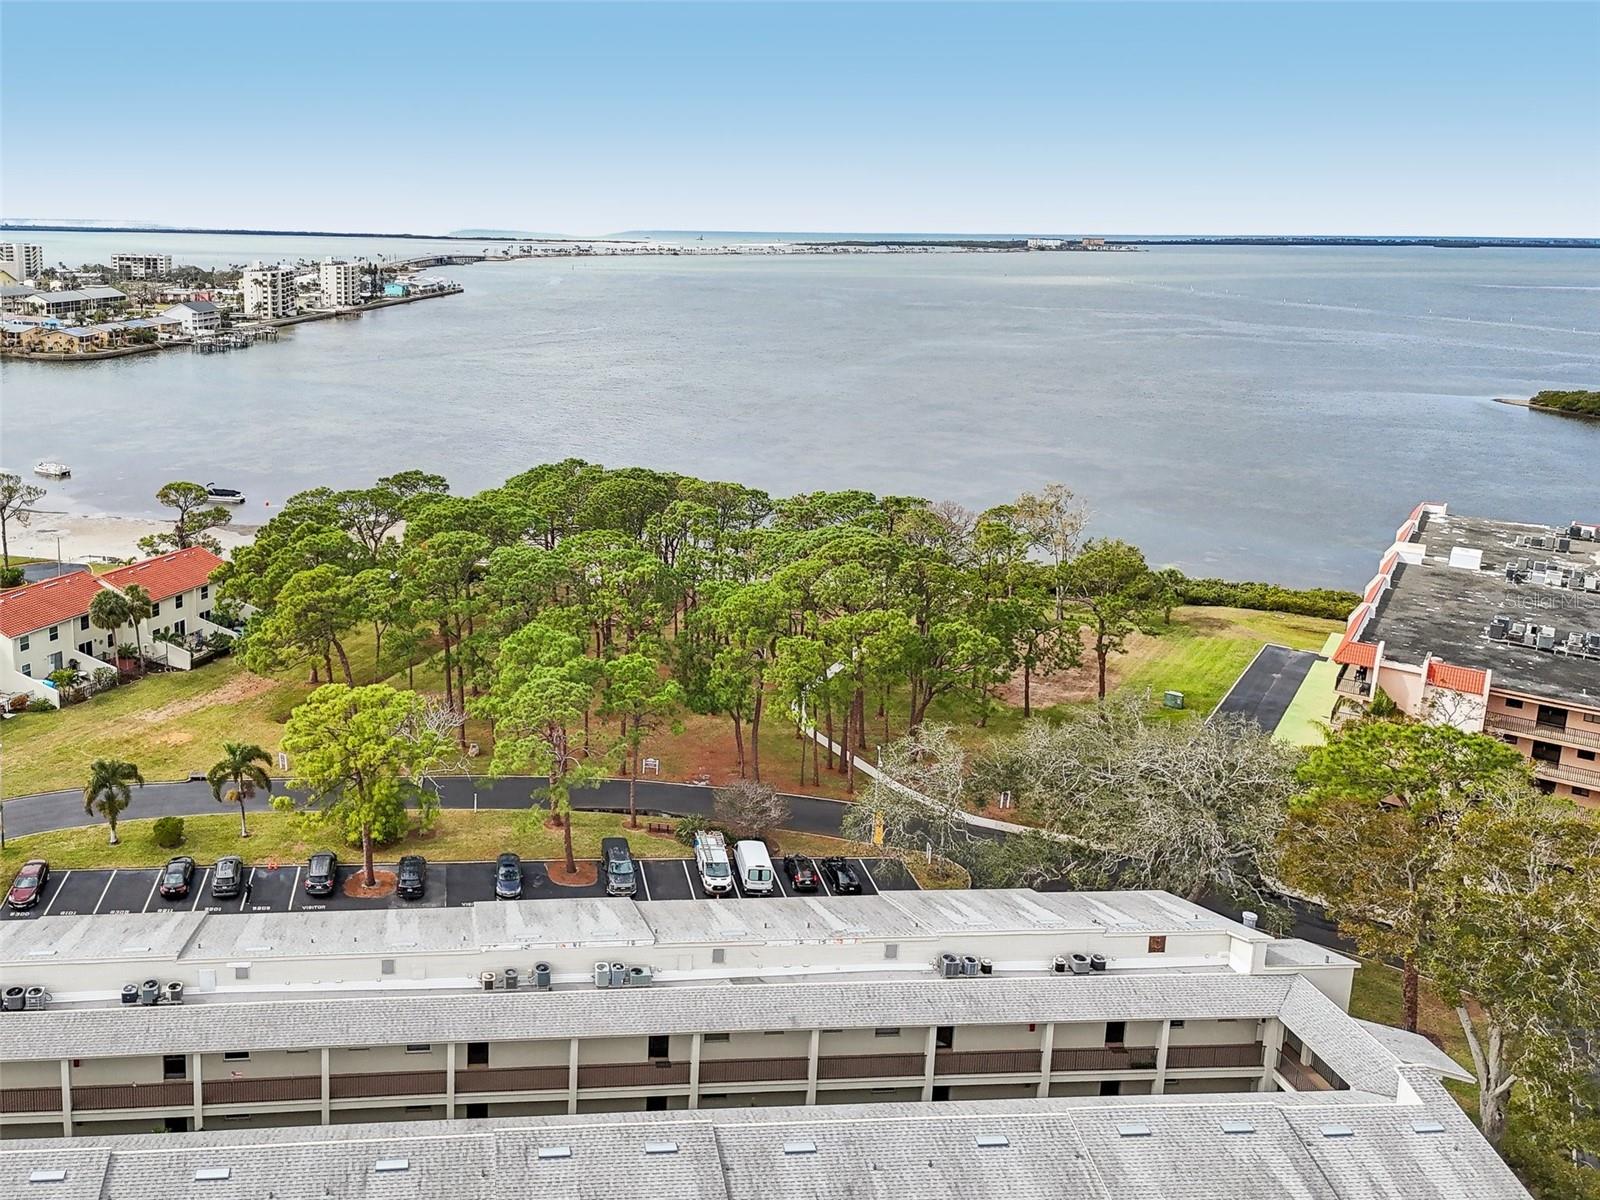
point(1443, 243)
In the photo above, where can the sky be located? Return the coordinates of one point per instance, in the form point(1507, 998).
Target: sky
point(1264, 118)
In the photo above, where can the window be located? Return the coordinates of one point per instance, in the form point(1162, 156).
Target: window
point(386, 966)
point(236, 1056)
point(206, 615)
point(891, 950)
point(177, 627)
point(1586, 755)
point(155, 609)
point(83, 622)
point(1177, 1024)
point(477, 1112)
point(241, 970)
point(477, 1054)
point(887, 1031)
point(174, 1066)
point(1116, 1032)
point(55, 633)
point(714, 1037)
point(22, 642)
point(1510, 703)
point(27, 669)
point(420, 1048)
point(944, 1037)
point(205, 591)
point(1158, 943)
point(1110, 1087)
point(1580, 791)
point(177, 601)
point(655, 1104)
point(719, 955)
point(657, 1046)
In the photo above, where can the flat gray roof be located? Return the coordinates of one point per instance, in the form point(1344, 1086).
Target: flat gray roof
point(1243, 1146)
point(1434, 608)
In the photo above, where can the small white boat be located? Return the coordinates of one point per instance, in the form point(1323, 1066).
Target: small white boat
point(51, 469)
point(222, 495)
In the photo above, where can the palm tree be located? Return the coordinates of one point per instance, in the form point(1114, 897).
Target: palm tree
point(109, 611)
point(140, 608)
point(107, 791)
point(244, 766)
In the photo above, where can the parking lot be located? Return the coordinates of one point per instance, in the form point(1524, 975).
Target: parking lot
point(279, 889)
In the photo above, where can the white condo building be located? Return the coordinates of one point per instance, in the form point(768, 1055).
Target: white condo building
point(21, 260)
point(339, 283)
point(269, 292)
point(141, 266)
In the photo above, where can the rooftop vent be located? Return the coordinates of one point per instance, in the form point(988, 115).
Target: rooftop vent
point(661, 1147)
point(1130, 1131)
point(392, 1164)
point(56, 1176)
point(211, 1173)
point(1337, 1131)
point(1426, 1127)
point(799, 1147)
point(549, 1152)
point(1238, 1127)
point(985, 1140)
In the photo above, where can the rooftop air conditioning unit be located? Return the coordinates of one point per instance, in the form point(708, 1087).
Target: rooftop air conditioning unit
point(1080, 963)
point(640, 977)
point(541, 976)
point(949, 965)
point(35, 997)
point(969, 964)
point(619, 974)
point(602, 974)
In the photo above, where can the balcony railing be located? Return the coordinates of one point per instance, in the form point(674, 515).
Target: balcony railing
point(30, 1100)
point(633, 1075)
point(270, 1089)
point(751, 1070)
point(98, 1097)
point(1299, 1076)
point(870, 1066)
point(511, 1079)
point(1565, 774)
point(1110, 1058)
point(387, 1083)
point(1248, 1054)
point(986, 1062)
point(1521, 726)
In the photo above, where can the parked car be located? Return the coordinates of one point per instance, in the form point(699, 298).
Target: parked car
point(802, 873)
point(227, 877)
point(508, 877)
point(840, 876)
point(29, 884)
point(411, 877)
point(755, 868)
point(711, 857)
point(176, 877)
point(621, 878)
point(322, 873)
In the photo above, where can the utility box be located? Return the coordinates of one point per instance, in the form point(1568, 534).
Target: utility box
point(1172, 700)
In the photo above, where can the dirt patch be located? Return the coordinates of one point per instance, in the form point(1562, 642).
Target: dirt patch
point(356, 886)
point(240, 688)
point(586, 874)
point(1081, 682)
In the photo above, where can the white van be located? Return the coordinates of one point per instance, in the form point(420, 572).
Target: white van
point(711, 857)
point(755, 868)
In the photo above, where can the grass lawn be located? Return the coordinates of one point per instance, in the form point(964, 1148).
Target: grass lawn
point(457, 836)
point(1376, 996)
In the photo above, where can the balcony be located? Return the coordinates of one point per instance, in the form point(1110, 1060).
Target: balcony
point(386, 1083)
point(751, 1070)
point(1300, 1077)
point(511, 1079)
point(100, 1097)
point(659, 1073)
point(871, 1066)
point(1544, 732)
point(1109, 1058)
point(1561, 773)
point(1188, 1058)
point(272, 1089)
point(986, 1062)
point(30, 1100)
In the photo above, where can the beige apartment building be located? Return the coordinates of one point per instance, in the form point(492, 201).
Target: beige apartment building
point(268, 292)
point(141, 266)
point(339, 283)
point(1493, 626)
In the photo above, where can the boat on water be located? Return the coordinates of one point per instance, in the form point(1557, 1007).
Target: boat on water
point(222, 495)
point(51, 469)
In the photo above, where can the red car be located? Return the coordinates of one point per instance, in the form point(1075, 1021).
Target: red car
point(29, 884)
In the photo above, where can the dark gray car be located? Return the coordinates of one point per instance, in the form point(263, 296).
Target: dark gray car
point(508, 877)
point(227, 877)
point(621, 877)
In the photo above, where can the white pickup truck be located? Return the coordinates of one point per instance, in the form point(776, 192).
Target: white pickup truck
point(711, 857)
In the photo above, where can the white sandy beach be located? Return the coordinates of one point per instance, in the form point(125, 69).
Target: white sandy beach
point(97, 538)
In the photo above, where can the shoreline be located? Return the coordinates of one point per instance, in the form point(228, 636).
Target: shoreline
point(1540, 408)
point(101, 537)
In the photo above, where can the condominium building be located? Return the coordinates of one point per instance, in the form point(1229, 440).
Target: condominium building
point(1493, 626)
point(21, 260)
point(73, 302)
point(195, 317)
point(269, 292)
point(141, 266)
point(339, 283)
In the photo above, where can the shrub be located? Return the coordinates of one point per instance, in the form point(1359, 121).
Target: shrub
point(40, 705)
point(747, 809)
point(168, 832)
point(11, 577)
point(1268, 597)
point(103, 679)
point(688, 827)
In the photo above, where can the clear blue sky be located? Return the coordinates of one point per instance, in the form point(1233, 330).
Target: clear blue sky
point(1143, 118)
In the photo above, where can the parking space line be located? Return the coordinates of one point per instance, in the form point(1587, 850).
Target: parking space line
point(244, 892)
point(868, 872)
point(294, 889)
point(777, 878)
point(822, 882)
point(201, 890)
point(60, 883)
point(643, 882)
point(154, 884)
point(104, 890)
point(688, 878)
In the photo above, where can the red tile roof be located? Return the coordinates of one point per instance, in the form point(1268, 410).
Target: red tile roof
point(169, 574)
point(48, 602)
point(1458, 679)
point(1356, 654)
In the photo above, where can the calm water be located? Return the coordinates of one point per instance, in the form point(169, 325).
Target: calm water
point(1270, 413)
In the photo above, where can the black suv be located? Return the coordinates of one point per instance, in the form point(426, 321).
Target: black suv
point(508, 877)
point(411, 877)
point(621, 877)
point(841, 876)
point(322, 873)
point(227, 877)
point(802, 873)
point(175, 878)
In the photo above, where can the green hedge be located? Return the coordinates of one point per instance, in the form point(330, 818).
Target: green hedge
point(167, 832)
point(1269, 597)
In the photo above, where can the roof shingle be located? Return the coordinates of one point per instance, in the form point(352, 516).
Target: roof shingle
point(169, 574)
point(47, 602)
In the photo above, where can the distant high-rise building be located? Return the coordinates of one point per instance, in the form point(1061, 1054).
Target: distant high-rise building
point(340, 283)
point(141, 266)
point(21, 260)
point(268, 291)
